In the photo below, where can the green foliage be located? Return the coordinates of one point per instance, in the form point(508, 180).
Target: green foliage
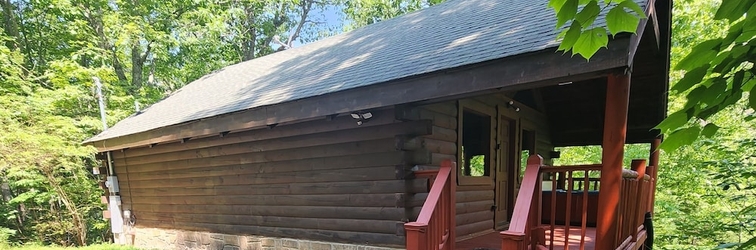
point(478, 165)
point(364, 12)
point(592, 154)
point(5, 234)
point(719, 72)
point(583, 36)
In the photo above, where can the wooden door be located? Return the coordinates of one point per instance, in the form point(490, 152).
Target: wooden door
point(505, 169)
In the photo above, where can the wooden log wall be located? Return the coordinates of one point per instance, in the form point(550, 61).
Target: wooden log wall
point(329, 180)
point(474, 202)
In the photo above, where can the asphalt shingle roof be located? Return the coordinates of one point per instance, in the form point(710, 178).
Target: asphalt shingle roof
point(448, 35)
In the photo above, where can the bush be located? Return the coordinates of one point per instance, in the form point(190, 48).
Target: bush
point(5, 234)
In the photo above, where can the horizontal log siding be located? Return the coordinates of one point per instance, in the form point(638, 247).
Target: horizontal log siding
point(474, 214)
point(473, 202)
point(329, 180)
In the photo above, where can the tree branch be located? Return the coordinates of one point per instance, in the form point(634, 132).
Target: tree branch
point(306, 7)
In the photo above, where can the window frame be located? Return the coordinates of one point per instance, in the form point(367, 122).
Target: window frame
point(481, 109)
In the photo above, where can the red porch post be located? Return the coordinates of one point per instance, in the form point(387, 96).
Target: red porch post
point(615, 129)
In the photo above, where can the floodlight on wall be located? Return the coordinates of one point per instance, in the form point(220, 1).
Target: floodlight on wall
point(511, 105)
point(362, 117)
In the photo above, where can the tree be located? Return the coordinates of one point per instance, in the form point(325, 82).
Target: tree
point(365, 12)
point(142, 50)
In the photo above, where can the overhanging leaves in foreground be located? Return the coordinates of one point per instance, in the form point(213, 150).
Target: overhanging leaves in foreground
point(583, 36)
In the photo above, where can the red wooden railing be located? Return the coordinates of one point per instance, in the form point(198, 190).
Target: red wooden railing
point(435, 226)
point(562, 214)
point(523, 228)
point(634, 198)
point(576, 207)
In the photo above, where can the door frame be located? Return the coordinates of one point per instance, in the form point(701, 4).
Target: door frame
point(506, 172)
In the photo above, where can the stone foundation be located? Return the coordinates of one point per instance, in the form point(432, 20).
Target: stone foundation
point(154, 238)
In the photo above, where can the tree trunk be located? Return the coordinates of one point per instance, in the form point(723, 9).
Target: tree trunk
point(94, 18)
point(306, 6)
point(136, 68)
point(279, 19)
point(9, 23)
point(250, 38)
point(137, 65)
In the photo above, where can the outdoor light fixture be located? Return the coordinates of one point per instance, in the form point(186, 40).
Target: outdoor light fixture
point(564, 83)
point(511, 105)
point(362, 117)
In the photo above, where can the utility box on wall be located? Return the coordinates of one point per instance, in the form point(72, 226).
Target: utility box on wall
point(112, 184)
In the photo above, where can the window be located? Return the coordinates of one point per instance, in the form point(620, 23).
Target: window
point(528, 149)
point(476, 145)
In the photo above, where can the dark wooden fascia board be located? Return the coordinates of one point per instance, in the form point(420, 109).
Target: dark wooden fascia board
point(517, 72)
point(635, 39)
point(655, 22)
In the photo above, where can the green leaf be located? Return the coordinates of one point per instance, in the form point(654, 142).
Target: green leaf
point(709, 130)
point(700, 54)
point(556, 4)
point(695, 96)
point(715, 93)
point(739, 50)
point(748, 244)
point(590, 42)
point(720, 64)
point(749, 84)
point(691, 78)
point(618, 20)
point(683, 136)
point(751, 16)
point(570, 37)
point(726, 245)
point(732, 97)
point(737, 79)
point(566, 12)
point(588, 14)
point(748, 34)
point(752, 98)
point(732, 33)
point(673, 121)
point(632, 5)
point(732, 9)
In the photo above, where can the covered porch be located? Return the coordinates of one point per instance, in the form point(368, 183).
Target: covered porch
point(597, 206)
point(604, 205)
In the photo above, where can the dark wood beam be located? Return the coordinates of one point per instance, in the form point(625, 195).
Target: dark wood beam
point(530, 70)
point(615, 126)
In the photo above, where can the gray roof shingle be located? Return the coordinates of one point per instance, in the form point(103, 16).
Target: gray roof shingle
point(448, 35)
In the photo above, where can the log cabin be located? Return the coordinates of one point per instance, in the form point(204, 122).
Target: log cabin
point(432, 130)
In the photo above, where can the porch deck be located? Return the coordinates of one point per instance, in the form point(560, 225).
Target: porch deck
point(492, 240)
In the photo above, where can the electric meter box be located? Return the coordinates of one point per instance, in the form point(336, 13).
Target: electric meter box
point(112, 183)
